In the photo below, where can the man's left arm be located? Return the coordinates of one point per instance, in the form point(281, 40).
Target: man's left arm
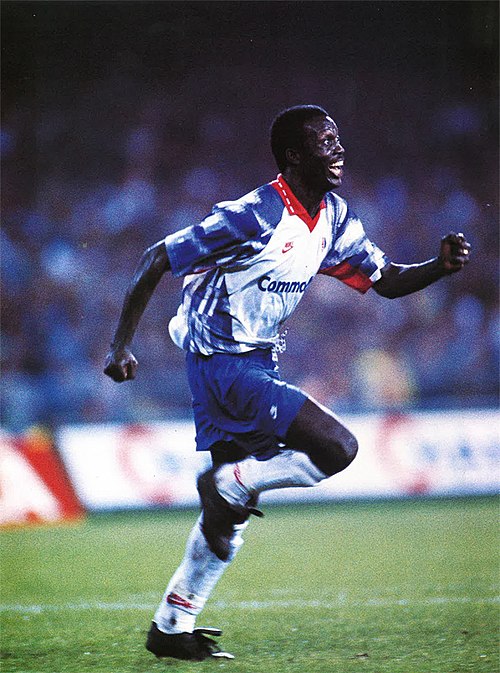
point(399, 280)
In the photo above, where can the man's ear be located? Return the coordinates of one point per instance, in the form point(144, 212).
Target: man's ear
point(292, 156)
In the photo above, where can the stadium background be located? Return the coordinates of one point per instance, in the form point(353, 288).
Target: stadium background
point(125, 121)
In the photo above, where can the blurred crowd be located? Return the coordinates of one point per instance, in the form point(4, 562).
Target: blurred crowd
point(105, 184)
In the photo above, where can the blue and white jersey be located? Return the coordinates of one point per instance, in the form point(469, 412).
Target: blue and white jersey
point(248, 264)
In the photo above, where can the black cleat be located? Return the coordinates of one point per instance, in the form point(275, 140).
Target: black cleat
point(189, 646)
point(219, 517)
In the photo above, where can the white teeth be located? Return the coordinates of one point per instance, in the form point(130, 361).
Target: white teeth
point(339, 164)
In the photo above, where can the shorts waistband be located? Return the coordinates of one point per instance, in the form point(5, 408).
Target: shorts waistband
point(259, 354)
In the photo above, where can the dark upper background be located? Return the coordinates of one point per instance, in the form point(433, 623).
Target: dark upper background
point(124, 121)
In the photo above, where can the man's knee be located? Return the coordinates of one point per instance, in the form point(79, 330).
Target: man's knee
point(333, 453)
point(319, 434)
point(344, 450)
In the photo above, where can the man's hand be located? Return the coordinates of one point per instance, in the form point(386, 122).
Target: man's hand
point(454, 253)
point(120, 365)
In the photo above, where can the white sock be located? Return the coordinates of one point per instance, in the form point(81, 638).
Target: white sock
point(193, 582)
point(237, 482)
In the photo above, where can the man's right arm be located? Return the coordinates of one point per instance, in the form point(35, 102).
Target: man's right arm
point(120, 363)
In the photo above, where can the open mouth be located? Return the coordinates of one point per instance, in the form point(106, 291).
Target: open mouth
point(337, 168)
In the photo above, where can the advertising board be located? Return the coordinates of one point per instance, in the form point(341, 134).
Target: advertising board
point(33, 485)
point(400, 455)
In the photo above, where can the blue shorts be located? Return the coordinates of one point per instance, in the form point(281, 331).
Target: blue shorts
point(241, 398)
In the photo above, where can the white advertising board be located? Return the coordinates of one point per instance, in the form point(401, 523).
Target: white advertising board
point(400, 455)
point(435, 453)
point(132, 466)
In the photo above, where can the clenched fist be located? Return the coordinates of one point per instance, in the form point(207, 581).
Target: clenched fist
point(454, 253)
point(120, 365)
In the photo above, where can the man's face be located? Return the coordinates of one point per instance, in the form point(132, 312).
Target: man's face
point(322, 155)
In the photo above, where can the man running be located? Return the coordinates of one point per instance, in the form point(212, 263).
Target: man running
point(246, 267)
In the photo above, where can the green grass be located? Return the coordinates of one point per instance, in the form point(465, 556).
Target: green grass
point(402, 587)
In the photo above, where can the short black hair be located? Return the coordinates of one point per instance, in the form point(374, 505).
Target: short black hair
point(287, 129)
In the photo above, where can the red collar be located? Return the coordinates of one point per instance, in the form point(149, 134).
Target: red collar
point(293, 205)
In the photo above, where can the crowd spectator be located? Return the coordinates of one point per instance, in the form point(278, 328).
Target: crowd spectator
point(151, 164)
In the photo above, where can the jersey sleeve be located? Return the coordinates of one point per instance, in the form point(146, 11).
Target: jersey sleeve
point(232, 233)
point(353, 258)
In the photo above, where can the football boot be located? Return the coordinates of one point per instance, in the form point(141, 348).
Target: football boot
point(194, 646)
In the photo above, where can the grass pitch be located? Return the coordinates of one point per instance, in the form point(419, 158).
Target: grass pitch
point(401, 587)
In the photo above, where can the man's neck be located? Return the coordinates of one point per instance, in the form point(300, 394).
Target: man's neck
point(309, 197)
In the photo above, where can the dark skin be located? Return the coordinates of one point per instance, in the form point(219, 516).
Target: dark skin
point(314, 167)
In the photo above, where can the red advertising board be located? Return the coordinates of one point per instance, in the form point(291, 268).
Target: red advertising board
point(34, 487)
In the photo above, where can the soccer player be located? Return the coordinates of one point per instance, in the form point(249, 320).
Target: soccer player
point(246, 267)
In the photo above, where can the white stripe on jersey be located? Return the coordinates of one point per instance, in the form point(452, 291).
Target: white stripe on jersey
point(250, 262)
